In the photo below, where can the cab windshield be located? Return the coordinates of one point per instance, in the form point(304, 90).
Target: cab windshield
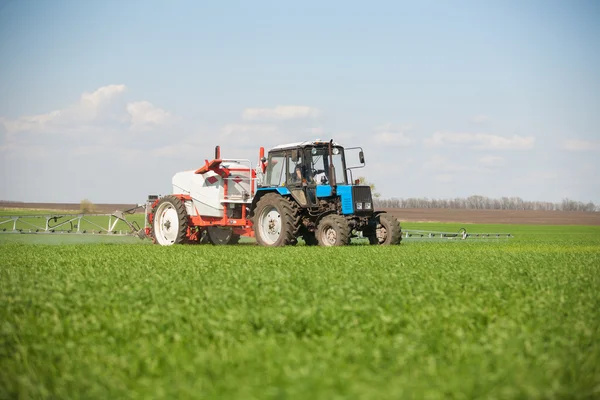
point(318, 165)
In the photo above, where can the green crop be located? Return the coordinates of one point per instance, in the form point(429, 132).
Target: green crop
point(460, 320)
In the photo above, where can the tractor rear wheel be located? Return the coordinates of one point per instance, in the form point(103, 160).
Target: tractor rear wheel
point(387, 232)
point(218, 235)
point(170, 222)
point(333, 230)
point(274, 221)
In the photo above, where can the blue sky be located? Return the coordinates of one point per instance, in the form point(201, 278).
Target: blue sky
point(107, 100)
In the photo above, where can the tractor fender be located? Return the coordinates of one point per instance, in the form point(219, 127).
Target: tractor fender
point(323, 215)
point(374, 215)
point(283, 191)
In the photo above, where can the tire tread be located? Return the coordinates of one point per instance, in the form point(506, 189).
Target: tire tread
point(340, 224)
point(290, 218)
point(182, 216)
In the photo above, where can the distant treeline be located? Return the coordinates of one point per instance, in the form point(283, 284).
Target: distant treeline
point(486, 203)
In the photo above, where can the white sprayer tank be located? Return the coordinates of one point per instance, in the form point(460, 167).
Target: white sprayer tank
point(207, 189)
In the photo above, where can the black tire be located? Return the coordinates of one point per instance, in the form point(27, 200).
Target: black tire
point(170, 222)
point(218, 235)
point(387, 231)
point(274, 221)
point(333, 230)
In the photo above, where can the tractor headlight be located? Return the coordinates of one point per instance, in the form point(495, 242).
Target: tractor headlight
point(359, 206)
point(367, 206)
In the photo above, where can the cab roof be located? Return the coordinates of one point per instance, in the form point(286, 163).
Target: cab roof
point(303, 144)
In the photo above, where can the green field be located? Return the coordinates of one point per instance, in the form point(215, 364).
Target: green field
point(459, 319)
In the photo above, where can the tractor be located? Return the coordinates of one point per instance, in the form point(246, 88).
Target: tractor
point(299, 190)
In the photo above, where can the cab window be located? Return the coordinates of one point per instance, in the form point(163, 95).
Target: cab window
point(296, 170)
point(275, 169)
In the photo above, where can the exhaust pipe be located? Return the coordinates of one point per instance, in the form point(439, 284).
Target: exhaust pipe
point(332, 181)
point(262, 159)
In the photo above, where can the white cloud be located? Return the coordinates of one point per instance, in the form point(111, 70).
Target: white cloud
point(144, 114)
point(398, 166)
point(280, 113)
point(484, 165)
point(439, 163)
point(390, 135)
point(582, 145)
point(102, 94)
point(345, 138)
point(6, 147)
point(87, 150)
point(478, 119)
point(233, 130)
point(447, 169)
point(30, 122)
point(93, 112)
point(84, 111)
point(491, 161)
point(444, 178)
point(393, 138)
point(176, 150)
point(249, 135)
point(480, 140)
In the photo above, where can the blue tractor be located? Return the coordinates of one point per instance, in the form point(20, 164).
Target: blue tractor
point(304, 192)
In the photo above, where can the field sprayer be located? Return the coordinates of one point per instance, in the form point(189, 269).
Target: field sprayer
point(113, 224)
point(299, 190)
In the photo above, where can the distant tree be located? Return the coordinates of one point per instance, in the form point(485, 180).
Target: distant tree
point(363, 181)
point(86, 206)
point(476, 202)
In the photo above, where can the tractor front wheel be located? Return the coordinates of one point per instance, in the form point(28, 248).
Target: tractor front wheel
point(333, 230)
point(274, 221)
point(170, 222)
point(387, 230)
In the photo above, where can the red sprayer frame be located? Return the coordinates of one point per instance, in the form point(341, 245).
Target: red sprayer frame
point(241, 226)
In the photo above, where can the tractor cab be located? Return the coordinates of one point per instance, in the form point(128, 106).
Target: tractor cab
point(307, 170)
point(308, 163)
point(315, 174)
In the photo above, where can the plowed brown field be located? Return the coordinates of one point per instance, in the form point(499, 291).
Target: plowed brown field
point(403, 214)
point(98, 208)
